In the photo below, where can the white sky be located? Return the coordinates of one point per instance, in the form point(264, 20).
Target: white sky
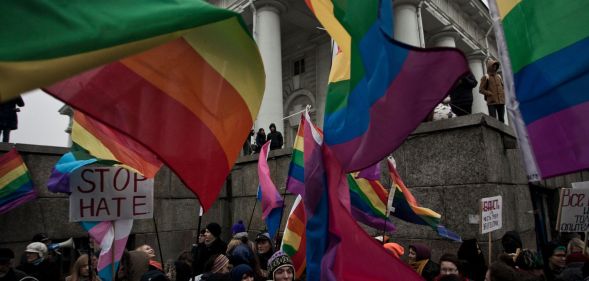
point(39, 121)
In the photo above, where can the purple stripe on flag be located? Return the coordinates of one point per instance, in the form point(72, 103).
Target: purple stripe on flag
point(559, 146)
point(31, 195)
point(408, 97)
point(370, 173)
point(378, 223)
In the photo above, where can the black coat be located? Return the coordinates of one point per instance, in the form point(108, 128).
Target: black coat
point(202, 253)
point(8, 110)
point(45, 271)
point(461, 95)
point(276, 138)
point(14, 275)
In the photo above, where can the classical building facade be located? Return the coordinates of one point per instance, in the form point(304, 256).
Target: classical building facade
point(296, 50)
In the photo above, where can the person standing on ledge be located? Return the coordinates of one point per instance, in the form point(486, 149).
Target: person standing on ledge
point(8, 118)
point(275, 137)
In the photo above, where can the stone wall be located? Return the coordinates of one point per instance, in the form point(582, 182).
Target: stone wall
point(449, 165)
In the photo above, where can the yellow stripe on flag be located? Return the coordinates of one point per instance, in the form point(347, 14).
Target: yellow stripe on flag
point(12, 175)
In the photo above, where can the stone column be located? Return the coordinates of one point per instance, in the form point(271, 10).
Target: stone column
point(268, 39)
point(406, 28)
point(445, 38)
point(476, 61)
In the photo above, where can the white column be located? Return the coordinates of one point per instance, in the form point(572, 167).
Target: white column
point(268, 39)
point(446, 38)
point(406, 28)
point(475, 62)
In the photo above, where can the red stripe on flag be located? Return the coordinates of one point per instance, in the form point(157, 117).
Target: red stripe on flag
point(10, 161)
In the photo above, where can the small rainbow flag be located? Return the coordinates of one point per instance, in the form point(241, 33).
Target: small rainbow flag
point(405, 207)
point(547, 43)
point(368, 199)
point(16, 185)
point(295, 183)
point(294, 242)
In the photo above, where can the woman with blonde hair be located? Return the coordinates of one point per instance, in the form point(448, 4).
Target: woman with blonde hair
point(81, 271)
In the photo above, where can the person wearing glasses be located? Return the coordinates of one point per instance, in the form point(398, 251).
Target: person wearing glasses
point(450, 265)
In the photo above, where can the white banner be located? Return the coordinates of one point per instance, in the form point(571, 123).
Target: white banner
point(109, 193)
point(491, 217)
point(574, 208)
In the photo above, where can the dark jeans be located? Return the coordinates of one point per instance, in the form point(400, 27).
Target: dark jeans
point(497, 111)
point(5, 135)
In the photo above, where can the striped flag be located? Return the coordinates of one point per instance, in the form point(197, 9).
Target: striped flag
point(376, 83)
point(543, 48)
point(368, 199)
point(183, 78)
point(272, 203)
point(295, 182)
point(406, 207)
point(16, 185)
point(112, 236)
point(294, 238)
point(59, 180)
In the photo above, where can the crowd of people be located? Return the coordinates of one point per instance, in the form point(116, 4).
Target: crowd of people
point(242, 259)
point(261, 138)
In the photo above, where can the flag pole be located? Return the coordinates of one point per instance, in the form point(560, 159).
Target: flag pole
point(157, 236)
point(200, 213)
point(281, 213)
point(113, 249)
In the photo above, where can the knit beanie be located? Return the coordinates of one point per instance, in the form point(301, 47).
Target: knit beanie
point(238, 227)
point(214, 228)
point(220, 262)
point(238, 272)
point(278, 260)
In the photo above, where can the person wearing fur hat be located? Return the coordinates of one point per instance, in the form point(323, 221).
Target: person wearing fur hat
point(212, 245)
point(37, 264)
point(280, 267)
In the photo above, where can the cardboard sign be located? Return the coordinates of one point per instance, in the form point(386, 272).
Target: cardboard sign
point(574, 208)
point(109, 193)
point(491, 218)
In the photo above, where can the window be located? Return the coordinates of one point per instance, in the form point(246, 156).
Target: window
point(299, 66)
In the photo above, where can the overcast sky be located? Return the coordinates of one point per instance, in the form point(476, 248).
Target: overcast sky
point(39, 121)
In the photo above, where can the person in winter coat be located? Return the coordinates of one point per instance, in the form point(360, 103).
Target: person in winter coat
point(275, 137)
point(461, 95)
point(81, 270)
point(554, 256)
point(260, 139)
point(492, 87)
point(7, 272)
point(419, 259)
point(212, 245)
point(8, 118)
point(450, 265)
point(37, 264)
point(280, 267)
point(265, 249)
point(472, 257)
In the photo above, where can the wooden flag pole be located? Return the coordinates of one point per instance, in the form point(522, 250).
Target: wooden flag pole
point(585, 247)
point(113, 249)
point(490, 248)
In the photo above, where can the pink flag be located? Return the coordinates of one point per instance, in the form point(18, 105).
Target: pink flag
point(272, 203)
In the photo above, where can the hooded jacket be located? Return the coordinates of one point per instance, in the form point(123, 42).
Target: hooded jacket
point(492, 85)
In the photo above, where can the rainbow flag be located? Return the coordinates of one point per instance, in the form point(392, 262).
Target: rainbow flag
point(295, 182)
point(186, 81)
point(547, 43)
point(368, 199)
point(376, 83)
point(112, 236)
point(16, 185)
point(272, 203)
point(406, 207)
point(294, 238)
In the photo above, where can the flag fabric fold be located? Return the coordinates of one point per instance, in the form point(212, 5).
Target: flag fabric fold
point(405, 206)
point(186, 84)
point(294, 238)
point(295, 182)
point(16, 184)
point(112, 237)
point(377, 83)
point(543, 45)
point(272, 203)
point(368, 199)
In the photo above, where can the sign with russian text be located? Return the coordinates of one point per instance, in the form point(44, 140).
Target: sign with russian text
point(574, 208)
point(491, 219)
point(109, 193)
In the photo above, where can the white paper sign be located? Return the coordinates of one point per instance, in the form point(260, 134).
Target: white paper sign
point(574, 208)
point(109, 193)
point(491, 219)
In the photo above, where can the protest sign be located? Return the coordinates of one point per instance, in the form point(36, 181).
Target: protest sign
point(109, 193)
point(491, 219)
point(573, 208)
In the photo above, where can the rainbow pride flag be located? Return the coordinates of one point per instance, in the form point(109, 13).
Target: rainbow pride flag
point(16, 185)
point(376, 83)
point(182, 78)
point(112, 236)
point(295, 182)
point(547, 43)
point(294, 238)
point(368, 199)
point(406, 207)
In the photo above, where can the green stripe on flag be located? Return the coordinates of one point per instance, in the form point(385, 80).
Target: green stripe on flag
point(289, 250)
point(298, 158)
point(14, 185)
point(534, 29)
point(337, 96)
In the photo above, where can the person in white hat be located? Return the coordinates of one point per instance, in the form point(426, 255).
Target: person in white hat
point(37, 264)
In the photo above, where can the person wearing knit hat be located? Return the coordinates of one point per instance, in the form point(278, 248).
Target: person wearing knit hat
point(242, 272)
point(212, 245)
point(395, 249)
point(280, 267)
point(238, 230)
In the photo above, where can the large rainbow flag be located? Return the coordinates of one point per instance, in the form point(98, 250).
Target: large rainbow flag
point(16, 185)
point(547, 43)
point(406, 207)
point(376, 83)
point(183, 78)
point(294, 242)
point(368, 199)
